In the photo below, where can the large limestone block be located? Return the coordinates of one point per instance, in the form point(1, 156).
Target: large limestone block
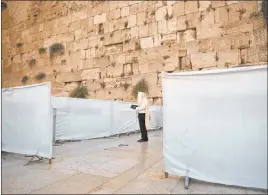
point(204, 5)
point(141, 18)
point(112, 49)
point(80, 15)
point(263, 53)
point(228, 57)
point(168, 38)
point(92, 41)
point(93, 85)
point(68, 77)
point(134, 32)
point(203, 60)
point(124, 11)
point(64, 20)
point(134, 9)
point(191, 7)
point(181, 23)
point(91, 53)
point(178, 8)
point(189, 35)
point(253, 54)
point(193, 20)
point(172, 25)
point(217, 4)
point(192, 47)
point(81, 44)
point(102, 62)
point(74, 25)
point(143, 31)
point(146, 42)
point(153, 29)
point(160, 13)
point(101, 18)
point(222, 43)
point(115, 71)
point(207, 18)
point(162, 27)
point(205, 45)
point(250, 7)
point(221, 15)
point(132, 21)
point(97, 8)
point(70, 86)
point(258, 37)
point(92, 73)
point(66, 37)
point(208, 31)
point(116, 37)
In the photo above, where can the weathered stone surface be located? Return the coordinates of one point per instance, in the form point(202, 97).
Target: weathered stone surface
point(191, 7)
point(172, 25)
point(203, 60)
point(162, 27)
point(100, 18)
point(181, 23)
point(208, 31)
point(160, 13)
point(113, 42)
point(146, 42)
point(92, 73)
point(68, 77)
point(178, 8)
point(230, 57)
point(143, 31)
point(221, 15)
point(204, 5)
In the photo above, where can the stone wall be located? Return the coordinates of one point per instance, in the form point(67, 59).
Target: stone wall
point(110, 43)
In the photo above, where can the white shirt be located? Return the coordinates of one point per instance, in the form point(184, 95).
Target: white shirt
point(142, 106)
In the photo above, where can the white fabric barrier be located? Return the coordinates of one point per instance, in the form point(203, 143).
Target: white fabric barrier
point(27, 120)
point(78, 119)
point(215, 125)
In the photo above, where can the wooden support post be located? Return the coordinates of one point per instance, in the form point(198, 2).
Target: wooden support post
point(49, 161)
point(166, 174)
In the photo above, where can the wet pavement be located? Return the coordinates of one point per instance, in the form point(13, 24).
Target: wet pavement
point(102, 166)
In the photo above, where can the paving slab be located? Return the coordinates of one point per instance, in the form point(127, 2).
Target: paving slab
point(103, 166)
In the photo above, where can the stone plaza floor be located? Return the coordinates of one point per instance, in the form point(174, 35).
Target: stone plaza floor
point(102, 166)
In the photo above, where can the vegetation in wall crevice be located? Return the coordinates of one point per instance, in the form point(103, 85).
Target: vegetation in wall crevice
point(79, 92)
point(141, 86)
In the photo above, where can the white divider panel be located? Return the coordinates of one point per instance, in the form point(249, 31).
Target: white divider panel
point(124, 118)
point(156, 117)
point(215, 125)
point(78, 119)
point(27, 120)
point(82, 118)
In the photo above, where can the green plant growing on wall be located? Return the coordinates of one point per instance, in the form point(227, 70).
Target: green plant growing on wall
point(24, 79)
point(19, 44)
point(137, 46)
point(113, 64)
point(126, 86)
point(141, 86)
point(32, 63)
point(79, 92)
point(42, 50)
point(241, 12)
point(40, 76)
point(102, 84)
point(56, 48)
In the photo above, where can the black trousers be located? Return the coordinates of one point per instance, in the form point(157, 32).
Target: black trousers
point(143, 129)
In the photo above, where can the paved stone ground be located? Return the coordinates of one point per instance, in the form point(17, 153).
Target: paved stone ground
point(101, 166)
